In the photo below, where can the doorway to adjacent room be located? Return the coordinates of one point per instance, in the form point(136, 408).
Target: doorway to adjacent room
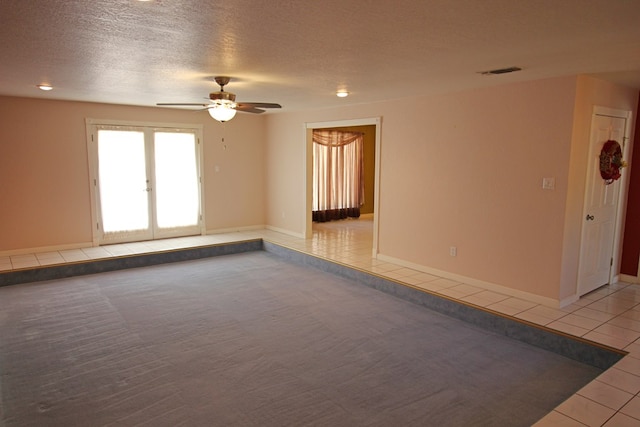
point(369, 209)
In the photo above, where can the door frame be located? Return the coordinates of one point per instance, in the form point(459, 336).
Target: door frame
point(308, 153)
point(614, 271)
point(92, 156)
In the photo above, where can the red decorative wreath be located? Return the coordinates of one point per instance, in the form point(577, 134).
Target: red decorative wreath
point(611, 161)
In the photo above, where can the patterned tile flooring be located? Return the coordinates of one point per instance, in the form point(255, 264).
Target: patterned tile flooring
point(609, 315)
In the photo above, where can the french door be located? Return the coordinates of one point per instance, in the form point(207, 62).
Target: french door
point(146, 183)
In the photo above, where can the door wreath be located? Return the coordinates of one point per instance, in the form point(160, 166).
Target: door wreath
point(611, 161)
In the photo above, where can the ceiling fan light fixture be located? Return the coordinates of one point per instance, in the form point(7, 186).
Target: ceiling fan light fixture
point(222, 112)
point(342, 93)
point(223, 105)
point(222, 96)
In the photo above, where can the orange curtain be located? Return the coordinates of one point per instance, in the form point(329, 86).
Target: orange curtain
point(338, 174)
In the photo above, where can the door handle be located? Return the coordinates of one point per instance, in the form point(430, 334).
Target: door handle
point(147, 189)
point(590, 217)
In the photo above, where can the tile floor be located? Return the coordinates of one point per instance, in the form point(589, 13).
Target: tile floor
point(609, 315)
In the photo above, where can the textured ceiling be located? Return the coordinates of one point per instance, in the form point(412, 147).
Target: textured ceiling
point(299, 52)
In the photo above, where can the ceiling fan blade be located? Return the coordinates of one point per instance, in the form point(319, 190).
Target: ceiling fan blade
point(173, 104)
point(260, 104)
point(248, 109)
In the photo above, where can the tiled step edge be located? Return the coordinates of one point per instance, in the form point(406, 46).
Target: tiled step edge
point(576, 348)
point(81, 268)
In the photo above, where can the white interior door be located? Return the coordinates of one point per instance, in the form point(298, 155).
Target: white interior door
point(600, 209)
point(148, 184)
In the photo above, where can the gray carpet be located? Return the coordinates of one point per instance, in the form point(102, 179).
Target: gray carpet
point(253, 340)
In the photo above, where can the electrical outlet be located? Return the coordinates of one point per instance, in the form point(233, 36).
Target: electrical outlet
point(548, 183)
point(453, 251)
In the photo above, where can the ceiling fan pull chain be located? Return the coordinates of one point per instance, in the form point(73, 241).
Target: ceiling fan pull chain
point(224, 128)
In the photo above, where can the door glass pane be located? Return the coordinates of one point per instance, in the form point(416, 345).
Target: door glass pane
point(176, 179)
point(123, 180)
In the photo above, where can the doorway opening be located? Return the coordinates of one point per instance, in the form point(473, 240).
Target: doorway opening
point(369, 210)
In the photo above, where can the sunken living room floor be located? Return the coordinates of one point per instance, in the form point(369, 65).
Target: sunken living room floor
point(606, 318)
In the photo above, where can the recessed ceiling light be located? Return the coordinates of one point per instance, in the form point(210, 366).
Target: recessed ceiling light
point(342, 93)
point(45, 86)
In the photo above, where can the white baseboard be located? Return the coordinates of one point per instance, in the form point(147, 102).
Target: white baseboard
point(629, 279)
point(549, 302)
point(283, 231)
point(44, 249)
point(235, 229)
point(568, 300)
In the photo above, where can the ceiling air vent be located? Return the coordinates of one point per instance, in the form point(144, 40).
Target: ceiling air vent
point(501, 71)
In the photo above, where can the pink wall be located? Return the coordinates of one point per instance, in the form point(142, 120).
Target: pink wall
point(44, 183)
point(465, 170)
point(477, 160)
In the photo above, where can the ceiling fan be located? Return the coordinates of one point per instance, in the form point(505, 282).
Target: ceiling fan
point(223, 105)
